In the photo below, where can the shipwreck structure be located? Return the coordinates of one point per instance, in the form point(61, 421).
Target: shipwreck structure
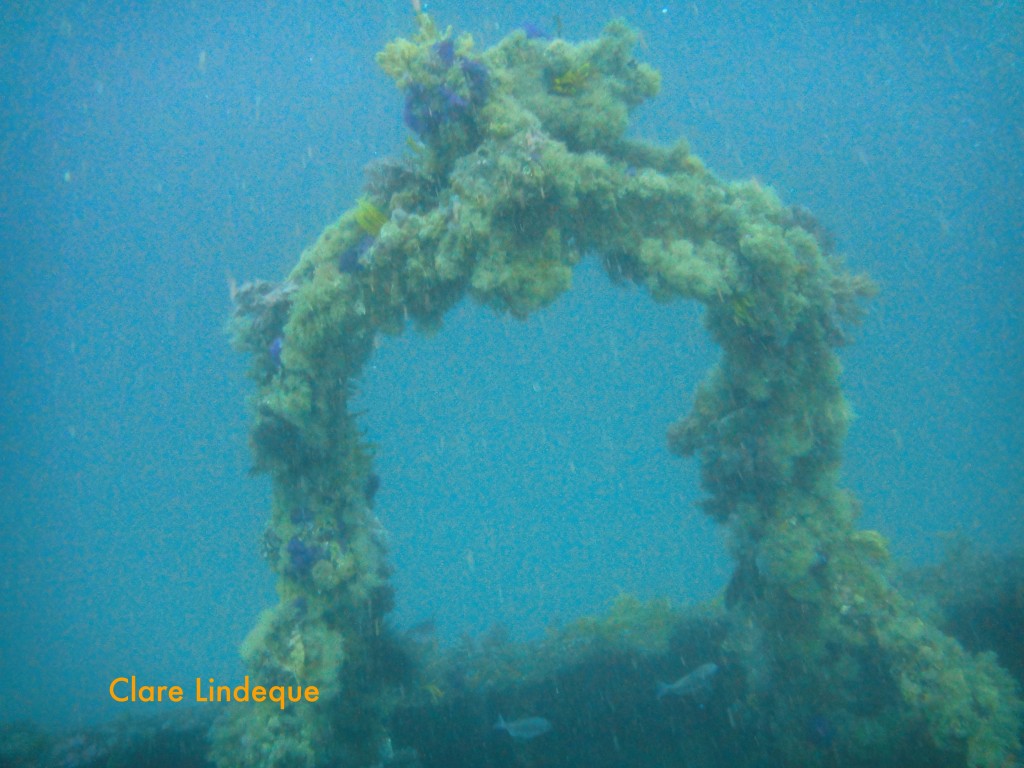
point(521, 167)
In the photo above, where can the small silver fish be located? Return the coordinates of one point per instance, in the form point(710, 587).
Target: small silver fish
point(696, 684)
point(525, 728)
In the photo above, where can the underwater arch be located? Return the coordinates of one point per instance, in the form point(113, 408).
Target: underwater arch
point(523, 167)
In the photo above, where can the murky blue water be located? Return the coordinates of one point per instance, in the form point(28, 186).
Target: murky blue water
point(148, 154)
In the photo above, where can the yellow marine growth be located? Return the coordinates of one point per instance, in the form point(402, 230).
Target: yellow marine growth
point(572, 81)
point(369, 217)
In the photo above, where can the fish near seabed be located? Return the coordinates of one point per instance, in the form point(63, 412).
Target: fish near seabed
point(695, 685)
point(525, 728)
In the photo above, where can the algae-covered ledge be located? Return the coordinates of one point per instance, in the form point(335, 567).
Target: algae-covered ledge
point(519, 167)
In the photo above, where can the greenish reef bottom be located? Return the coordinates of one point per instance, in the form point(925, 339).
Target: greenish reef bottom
point(594, 680)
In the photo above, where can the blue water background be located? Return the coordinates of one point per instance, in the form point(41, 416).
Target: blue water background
point(148, 153)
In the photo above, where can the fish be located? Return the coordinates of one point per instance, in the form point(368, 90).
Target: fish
point(525, 728)
point(422, 631)
point(696, 684)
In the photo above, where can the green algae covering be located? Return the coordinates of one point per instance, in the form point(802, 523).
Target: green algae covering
point(520, 167)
